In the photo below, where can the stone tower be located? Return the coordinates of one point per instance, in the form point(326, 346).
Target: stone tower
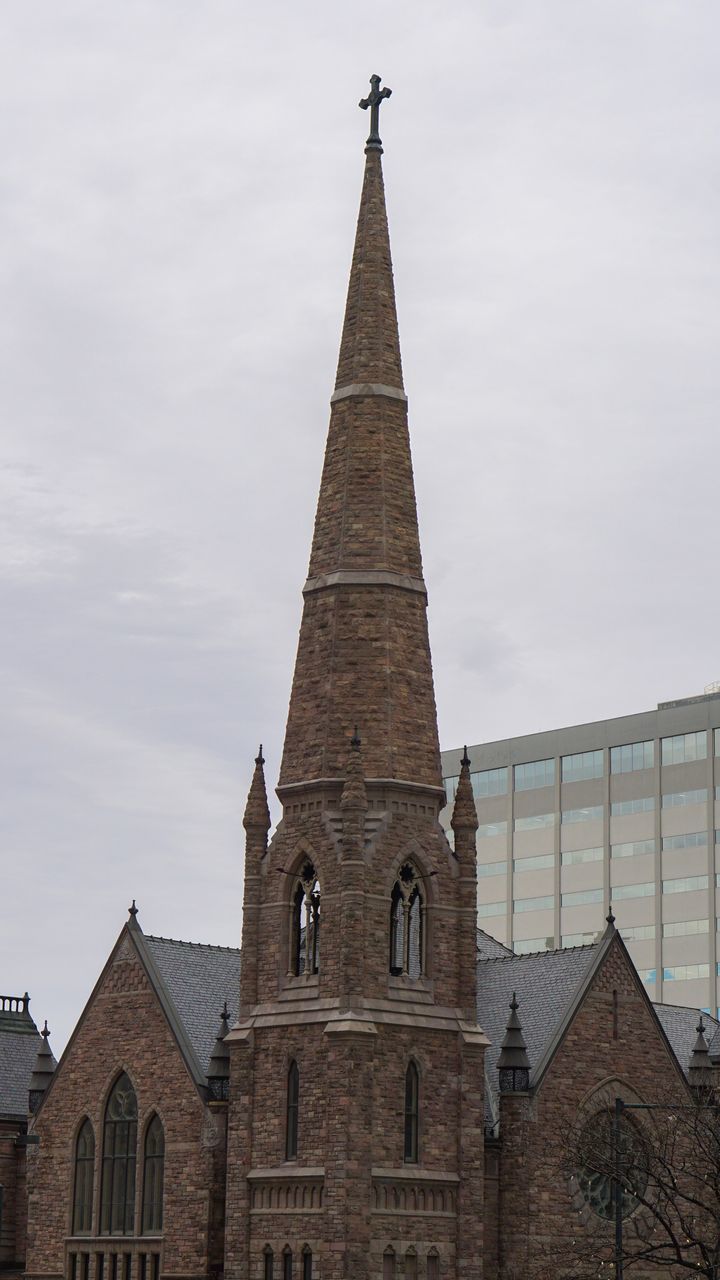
point(356, 1094)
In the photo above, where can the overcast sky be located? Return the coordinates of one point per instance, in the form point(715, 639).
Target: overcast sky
point(178, 194)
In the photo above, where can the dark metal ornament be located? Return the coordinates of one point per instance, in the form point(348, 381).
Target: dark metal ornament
point(373, 101)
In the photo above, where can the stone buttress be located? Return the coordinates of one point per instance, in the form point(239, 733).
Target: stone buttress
point(356, 1094)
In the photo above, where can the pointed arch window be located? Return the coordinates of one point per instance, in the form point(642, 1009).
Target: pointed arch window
point(305, 923)
point(153, 1177)
point(293, 1112)
point(407, 924)
point(411, 1265)
point(433, 1265)
point(268, 1263)
point(84, 1178)
point(307, 1262)
point(287, 1261)
point(412, 1104)
point(117, 1208)
point(389, 1263)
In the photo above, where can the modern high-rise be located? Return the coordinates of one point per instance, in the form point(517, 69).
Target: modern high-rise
point(623, 812)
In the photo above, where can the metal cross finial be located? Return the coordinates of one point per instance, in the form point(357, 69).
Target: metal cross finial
point(45, 1033)
point(373, 101)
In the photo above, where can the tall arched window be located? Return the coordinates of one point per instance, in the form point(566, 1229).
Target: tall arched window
point(268, 1263)
point(153, 1174)
point(307, 1262)
point(287, 1262)
point(305, 923)
point(117, 1210)
point(433, 1265)
point(407, 925)
point(412, 1101)
point(84, 1178)
point(293, 1106)
point(411, 1264)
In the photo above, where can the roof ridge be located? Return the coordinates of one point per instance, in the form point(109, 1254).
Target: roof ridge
point(688, 1008)
point(550, 951)
point(181, 942)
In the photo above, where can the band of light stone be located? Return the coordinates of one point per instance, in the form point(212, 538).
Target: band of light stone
point(368, 389)
point(365, 578)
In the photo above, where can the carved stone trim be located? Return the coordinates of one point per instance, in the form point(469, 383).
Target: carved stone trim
point(286, 1190)
point(419, 1192)
point(365, 578)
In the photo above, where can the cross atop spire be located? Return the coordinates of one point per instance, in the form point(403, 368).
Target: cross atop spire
point(373, 101)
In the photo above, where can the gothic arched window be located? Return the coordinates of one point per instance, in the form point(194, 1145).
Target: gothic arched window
point(117, 1209)
point(306, 1262)
point(287, 1262)
point(389, 1263)
point(433, 1265)
point(153, 1174)
point(293, 1108)
point(411, 1265)
point(412, 1102)
point(84, 1178)
point(305, 923)
point(407, 924)
point(268, 1262)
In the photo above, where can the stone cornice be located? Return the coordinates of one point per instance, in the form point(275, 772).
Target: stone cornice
point(365, 578)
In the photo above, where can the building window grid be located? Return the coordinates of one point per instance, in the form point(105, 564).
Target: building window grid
point(542, 903)
point(536, 862)
point(581, 897)
point(535, 821)
point(643, 890)
point(589, 813)
point(488, 829)
point(632, 756)
point(489, 782)
point(675, 799)
point(492, 909)
point(491, 868)
point(684, 884)
point(686, 840)
point(685, 972)
point(534, 774)
point(684, 928)
point(583, 765)
point(622, 808)
point(632, 848)
point(572, 857)
point(682, 748)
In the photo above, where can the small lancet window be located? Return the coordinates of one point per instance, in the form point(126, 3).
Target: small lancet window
point(407, 925)
point(433, 1265)
point(412, 1101)
point(153, 1174)
point(287, 1263)
point(307, 1262)
point(84, 1177)
point(411, 1265)
point(293, 1111)
point(389, 1263)
point(305, 923)
point(268, 1262)
point(117, 1208)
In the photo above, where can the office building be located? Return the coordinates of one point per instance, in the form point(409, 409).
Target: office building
point(623, 811)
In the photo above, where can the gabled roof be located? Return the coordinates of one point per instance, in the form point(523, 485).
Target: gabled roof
point(197, 979)
point(546, 983)
point(680, 1026)
point(19, 1044)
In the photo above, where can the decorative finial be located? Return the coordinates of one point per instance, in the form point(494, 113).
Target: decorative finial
point(610, 917)
point(45, 1033)
point(700, 1028)
point(260, 759)
point(465, 762)
point(224, 1012)
point(373, 101)
point(132, 911)
point(513, 1003)
point(355, 741)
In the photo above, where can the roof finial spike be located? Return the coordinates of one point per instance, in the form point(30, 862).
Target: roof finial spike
point(45, 1033)
point(610, 917)
point(133, 911)
point(224, 1015)
point(465, 762)
point(260, 759)
point(373, 101)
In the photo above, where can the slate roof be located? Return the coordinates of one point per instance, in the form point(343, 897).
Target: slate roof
point(198, 978)
point(715, 1043)
point(545, 983)
point(19, 1043)
point(680, 1026)
point(488, 948)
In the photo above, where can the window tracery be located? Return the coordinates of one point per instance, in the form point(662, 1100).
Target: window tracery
point(84, 1177)
point(305, 923)
point(407, 924)
point(117, 1208)
point(596, 1164)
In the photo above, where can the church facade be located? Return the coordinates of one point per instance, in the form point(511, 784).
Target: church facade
point(363, 1096)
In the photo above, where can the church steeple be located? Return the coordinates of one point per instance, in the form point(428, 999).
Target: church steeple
point(363, 655)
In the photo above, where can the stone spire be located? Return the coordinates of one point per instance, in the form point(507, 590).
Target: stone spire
point(513, 1063)
point(464, 814)
point(257, 814)
point(700, 1069)
point(363, 654)
point(43, 1071)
